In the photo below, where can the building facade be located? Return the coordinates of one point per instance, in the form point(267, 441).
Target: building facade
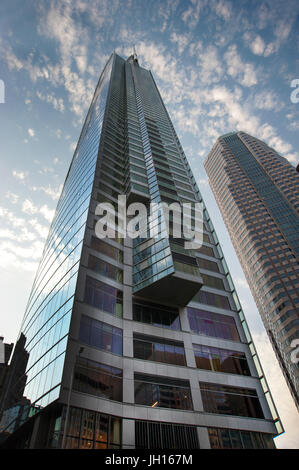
point(5, 352)
point(136, 343)
point(257, 191)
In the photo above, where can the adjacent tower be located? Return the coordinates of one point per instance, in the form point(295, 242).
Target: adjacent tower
point(257, 191)
point(134, 343)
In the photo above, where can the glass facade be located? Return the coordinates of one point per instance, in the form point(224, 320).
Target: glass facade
point(157, 315)
point(104, 297)
point(98, 379)
point(222, 399)
point(212, 324)
point(101, 335)
point(235, 439)
point(89, 430)
point(162, 392)
point(220, 360)
point(159, 350)
point(125, 340)
point(48, 313)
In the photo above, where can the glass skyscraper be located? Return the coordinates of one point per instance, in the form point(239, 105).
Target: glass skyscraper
point(133, 343)
point(257, 191)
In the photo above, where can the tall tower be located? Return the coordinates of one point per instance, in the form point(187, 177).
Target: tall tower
point(257, 191)
point(136, 343)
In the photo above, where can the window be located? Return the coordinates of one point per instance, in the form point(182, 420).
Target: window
point(157, 315)
point(208, 298)
point(207, 264)
point(105, 269)
point(101, 335)
point(91, 430)
point(108, 250)
point(212, 324)
point(223, 399)
point(155, 349)
point(207, 250)
point(98, 379)
point(162, 392)
point(234, 439)
point(104, 297)
point(212, 281)
point(152, 435)
point(220, 360)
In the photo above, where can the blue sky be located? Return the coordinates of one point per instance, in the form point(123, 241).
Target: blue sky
point(220, 66)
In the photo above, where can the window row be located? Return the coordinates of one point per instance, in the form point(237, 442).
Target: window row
point(90, 430)
point(235, 439)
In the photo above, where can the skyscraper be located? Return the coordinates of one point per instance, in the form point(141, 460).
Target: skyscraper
point(136, 343)
point(257, 191)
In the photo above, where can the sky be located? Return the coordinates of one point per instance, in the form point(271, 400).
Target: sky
point(220, 66)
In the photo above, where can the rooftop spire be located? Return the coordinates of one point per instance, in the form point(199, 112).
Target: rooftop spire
point(135, 54)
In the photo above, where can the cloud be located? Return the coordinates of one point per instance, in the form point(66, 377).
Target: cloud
point(211, 69)
point(268, 100)
point(40, 229)
point(244, 73)
point(256, 44)
point(20, 175)
point(54, 193)
point(29, 208)
point(191, 16)
point(182, 41)
point(12, 197)
point(57, 103)
point(222, 8)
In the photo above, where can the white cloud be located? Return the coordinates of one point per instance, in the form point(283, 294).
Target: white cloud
point(191, 15)
point(29, 208)
point(57, 103)
point(258, 46)
point(12, 197)
point(54, 193)
point(222, 8)
point(244, 73)
point(47, 212)
point(20, 175)
point(267, 100)
point(9, 260)
point(182, 41)
point(211, 69)
point(40, 229)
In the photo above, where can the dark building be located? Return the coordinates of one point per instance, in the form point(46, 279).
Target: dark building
point(257, 191)
point(136, 343)
point(5, 352)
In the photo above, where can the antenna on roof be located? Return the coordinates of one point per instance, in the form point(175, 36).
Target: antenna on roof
point(135, 53)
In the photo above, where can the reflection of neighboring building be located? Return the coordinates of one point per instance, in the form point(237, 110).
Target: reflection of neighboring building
point(15, 380)
point(14, 407)
point(5, 352)
point(14, 417)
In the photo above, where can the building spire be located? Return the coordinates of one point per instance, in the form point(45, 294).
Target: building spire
point(135, 54)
